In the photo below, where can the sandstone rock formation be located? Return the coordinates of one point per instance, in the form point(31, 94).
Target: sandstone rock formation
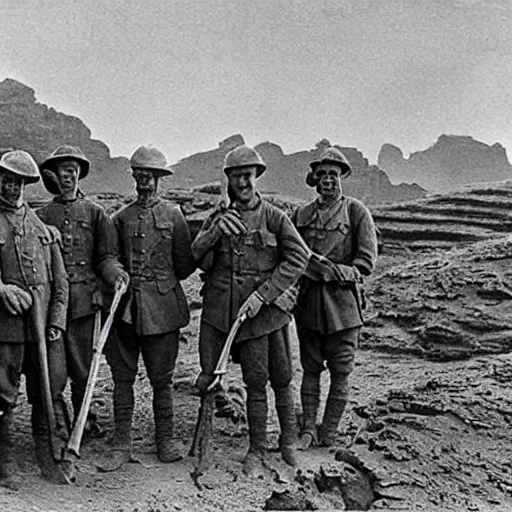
point(449, 163)
point(286, 173)
point(472, 213)
point(39, 129)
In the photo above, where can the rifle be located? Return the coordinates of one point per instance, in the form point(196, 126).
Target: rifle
point(64, 464)
point(201, 441)
point(75, 439)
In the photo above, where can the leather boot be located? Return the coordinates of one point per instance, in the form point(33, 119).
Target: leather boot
point(334, 408)
point(257, 420)
point(122, 443)
point(310, 398)
point(51, 469)
point(288, 423)
point(162, 409)
point(62, 419)
point(8, 476)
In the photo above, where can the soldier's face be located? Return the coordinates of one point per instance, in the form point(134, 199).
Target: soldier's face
point(11, 188)
point(243, 183)
point(329, 180)
point(145, 181)
point(68, 172)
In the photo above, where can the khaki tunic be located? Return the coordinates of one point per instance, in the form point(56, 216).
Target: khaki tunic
point(269, 258)
point(30, 258)
point(345, 234)
point(88, 249)
point(154, 247)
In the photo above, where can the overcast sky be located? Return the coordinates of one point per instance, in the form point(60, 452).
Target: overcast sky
point(185, 74)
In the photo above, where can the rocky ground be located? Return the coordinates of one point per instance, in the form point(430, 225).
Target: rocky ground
point(428, 426)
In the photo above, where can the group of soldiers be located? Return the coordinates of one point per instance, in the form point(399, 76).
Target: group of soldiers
point(60, 264)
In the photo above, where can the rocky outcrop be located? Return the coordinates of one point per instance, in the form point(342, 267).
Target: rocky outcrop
point(451, 162)
point(39, 129)
point(285, 173)
point(450, 305)
point(443, 221)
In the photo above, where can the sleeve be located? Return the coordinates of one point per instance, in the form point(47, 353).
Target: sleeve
point(294, 256)
point(60, 290)
point(183, 259)
point(105, 250)
point(365, 240)
point(293, 216)
point(205, 240)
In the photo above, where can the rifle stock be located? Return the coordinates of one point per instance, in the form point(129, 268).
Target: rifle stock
point(75, 439)
point(201, 441)
point(222, 364)
point(39, 325)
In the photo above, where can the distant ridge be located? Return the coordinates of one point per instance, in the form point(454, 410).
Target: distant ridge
point(39, 129)
point(286, 173)
point(452, 161)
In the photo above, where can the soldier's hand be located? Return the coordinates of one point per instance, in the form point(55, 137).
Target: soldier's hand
point(15, 300)
point(122, 280)
point(54, 333)
point(229, 223)
point(348, 273)
point(252, 305)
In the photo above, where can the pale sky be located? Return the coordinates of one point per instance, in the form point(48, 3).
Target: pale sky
point(185, 74)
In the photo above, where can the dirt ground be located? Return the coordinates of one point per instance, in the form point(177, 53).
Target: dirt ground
point(418, 434)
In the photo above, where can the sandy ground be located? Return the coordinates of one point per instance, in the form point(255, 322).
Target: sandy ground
point(427, 435)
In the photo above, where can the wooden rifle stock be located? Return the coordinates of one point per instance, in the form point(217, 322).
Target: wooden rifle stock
point(200, 443)
point(75, 439)
point(39, 328)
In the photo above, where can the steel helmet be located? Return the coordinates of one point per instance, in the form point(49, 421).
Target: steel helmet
point(67, 153)
point(333, 155)
point(150, 158)
point(244, 156)
point(22, 164)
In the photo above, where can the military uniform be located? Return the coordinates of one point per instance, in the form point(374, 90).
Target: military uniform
point(268, 258)
point(328, 312)
point(30, 259)
point(154, 247)
point(89, 252)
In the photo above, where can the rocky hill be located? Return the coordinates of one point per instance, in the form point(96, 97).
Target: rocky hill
point(28, 124)
point(469, 214)
point(449, 163)
point(286, 173)
point(39, 129)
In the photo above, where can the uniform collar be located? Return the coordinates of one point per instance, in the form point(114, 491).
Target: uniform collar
point(60, 199)
point(252, 205)
point(5, 206)
point(324, 212)
point(147, 204)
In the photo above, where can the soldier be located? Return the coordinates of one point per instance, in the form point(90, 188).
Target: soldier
point(154, 246)
point(89, 253)
point(253, 256)
point(340, 232)
point(31, 271)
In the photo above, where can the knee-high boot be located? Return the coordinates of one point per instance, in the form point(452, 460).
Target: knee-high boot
point(257, 411)
point(310, 398)
point(288, 423)
point(334, 408)
point(50, 469)
point(163, 411)
point(8, 476)
point(122, 442)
